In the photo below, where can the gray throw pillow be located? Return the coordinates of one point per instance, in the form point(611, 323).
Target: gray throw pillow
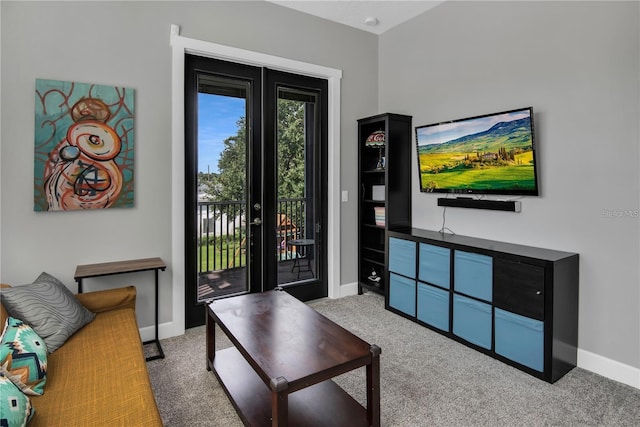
point(49, 307)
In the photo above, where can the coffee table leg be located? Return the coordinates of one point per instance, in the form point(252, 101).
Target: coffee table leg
point(373, 388)
point(279, 402)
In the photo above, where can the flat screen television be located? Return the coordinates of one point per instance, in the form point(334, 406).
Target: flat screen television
point(489, 154)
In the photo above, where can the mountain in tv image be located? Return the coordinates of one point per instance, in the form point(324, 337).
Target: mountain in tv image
point(499, 158)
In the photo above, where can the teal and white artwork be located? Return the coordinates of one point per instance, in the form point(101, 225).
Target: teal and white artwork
point(84, 140)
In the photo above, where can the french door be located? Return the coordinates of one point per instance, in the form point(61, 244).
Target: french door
point(255, 150)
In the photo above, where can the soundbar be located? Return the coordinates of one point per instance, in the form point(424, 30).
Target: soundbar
point(494, 205)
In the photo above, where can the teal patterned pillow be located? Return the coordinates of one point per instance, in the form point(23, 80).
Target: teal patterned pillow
point(23, 357)
point(48, 307)
point(15, 407)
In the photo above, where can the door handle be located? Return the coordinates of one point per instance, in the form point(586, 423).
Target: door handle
point(256, 221)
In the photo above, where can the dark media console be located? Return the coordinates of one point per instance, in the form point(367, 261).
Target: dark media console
point(468, 202)
point(516, 303)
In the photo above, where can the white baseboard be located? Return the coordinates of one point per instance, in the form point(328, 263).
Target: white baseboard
point(348, 289)
point(609, 368)
point(165, 330)
point(147, 333)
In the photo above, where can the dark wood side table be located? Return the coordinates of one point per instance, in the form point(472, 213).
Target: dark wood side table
point(120, 267)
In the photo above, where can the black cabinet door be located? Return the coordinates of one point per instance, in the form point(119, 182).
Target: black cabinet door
point(518, 288)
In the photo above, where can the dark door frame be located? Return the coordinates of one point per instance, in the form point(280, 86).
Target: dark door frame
point(274, 80)
point(195, 65)
point(181, 46)
point(262, 272)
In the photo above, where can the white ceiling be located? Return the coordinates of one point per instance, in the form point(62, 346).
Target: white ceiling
point(388, 13)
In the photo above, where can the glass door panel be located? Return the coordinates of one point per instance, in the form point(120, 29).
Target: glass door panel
point(222, 249)
point(296, 186)
point(223, 182)
point(295, 152)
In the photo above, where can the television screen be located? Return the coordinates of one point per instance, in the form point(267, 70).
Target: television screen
point(490, 154)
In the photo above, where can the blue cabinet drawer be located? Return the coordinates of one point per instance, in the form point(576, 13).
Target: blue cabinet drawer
point(520, 339)
point(472, 321)
point(433, 306)
point(434, 265)
point(402, 294)
point(402, 257)
point(473, 275)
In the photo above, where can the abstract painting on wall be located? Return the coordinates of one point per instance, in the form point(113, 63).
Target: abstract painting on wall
point(84, 138)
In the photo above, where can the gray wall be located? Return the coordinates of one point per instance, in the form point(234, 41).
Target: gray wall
point(577, 64)
point(127, 44)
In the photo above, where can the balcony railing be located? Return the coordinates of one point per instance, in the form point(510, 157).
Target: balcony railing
point(222, 232)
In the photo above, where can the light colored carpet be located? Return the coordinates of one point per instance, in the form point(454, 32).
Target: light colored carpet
point(426, 380)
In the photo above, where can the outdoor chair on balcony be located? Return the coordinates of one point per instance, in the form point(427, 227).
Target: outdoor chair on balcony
point(286, 230)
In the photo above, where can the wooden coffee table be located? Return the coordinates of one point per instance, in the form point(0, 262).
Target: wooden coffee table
point(285, 353)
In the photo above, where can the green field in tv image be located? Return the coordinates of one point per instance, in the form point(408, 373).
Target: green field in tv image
point(496, 159)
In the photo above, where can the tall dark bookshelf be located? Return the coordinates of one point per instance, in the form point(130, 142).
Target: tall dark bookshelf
point(393, 185)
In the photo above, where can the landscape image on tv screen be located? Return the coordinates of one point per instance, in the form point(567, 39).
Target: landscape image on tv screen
point(486, 154)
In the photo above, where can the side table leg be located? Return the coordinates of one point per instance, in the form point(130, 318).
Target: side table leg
point(373, 387)
point(160, 354)
point(211, 340)
point(279, 402)
point(156, 303)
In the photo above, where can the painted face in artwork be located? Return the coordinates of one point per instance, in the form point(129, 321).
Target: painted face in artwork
point(81, 172)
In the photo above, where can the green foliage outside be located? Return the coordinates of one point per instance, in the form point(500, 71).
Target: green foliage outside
point(229, 184)
point(291, 150)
